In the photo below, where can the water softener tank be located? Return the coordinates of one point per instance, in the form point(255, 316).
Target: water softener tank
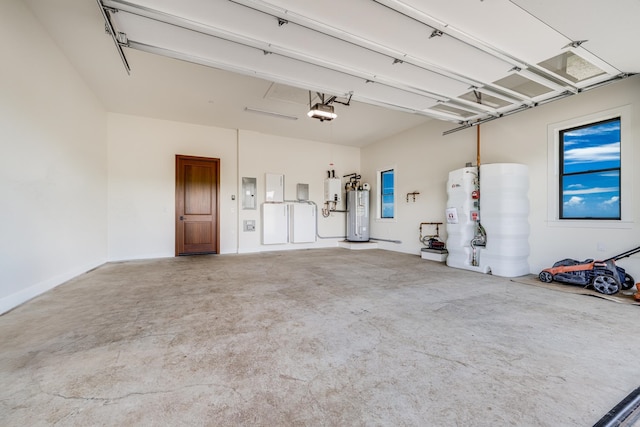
point(357, 215)
point(498, 200)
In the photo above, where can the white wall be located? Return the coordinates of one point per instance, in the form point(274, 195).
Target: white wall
point(301, 161)
point(53, 166)
point(142, 182)
point(142, 156)
point(423, 157)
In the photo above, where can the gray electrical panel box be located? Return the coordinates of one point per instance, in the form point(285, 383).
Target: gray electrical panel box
point(248, 193)
point(302, 192)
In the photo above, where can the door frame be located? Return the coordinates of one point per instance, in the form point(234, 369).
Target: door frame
point(180, 202)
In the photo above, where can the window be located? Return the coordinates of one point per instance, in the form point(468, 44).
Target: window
point(589, 184)
point(558, 192)
point(387, 194)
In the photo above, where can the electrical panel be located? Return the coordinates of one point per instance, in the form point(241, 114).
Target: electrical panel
point(332, 190)
point(248, 193)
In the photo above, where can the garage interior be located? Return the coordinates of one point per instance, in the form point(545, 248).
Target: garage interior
point(103, 322)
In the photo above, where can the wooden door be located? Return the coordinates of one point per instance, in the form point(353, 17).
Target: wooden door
point(197, 205)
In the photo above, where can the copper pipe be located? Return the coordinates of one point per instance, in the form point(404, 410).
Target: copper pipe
point(478, 147)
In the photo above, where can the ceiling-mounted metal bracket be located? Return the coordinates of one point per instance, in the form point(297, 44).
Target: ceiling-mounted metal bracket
point(122, 39)
point(398, 61)
point(111, 31)
point(436, 33)
point(347, 102)
point(575, 44)
point(282, 21)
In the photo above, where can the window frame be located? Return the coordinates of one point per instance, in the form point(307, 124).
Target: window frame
point(626, 170)
point(563, 174)
point(380, 194)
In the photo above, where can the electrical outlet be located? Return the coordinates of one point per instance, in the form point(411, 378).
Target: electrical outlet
point(249, 225)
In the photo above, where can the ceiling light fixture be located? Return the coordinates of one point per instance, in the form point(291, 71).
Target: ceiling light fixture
point(322, 112)
point(269, 113)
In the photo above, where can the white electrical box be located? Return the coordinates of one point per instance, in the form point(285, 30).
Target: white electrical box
point(274, 223)
point(332, 190)
point(302, 222)
point(274, 188)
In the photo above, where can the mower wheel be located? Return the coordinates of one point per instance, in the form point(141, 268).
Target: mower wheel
point(628, 282)
point(545, 276)
point(605, 285)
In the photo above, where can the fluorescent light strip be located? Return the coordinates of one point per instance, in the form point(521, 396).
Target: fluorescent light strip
point(269, 113)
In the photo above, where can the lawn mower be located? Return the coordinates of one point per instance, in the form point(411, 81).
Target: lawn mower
point(604, 276)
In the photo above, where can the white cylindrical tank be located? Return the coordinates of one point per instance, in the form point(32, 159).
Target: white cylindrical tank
point(357, 215)
point(503, 211)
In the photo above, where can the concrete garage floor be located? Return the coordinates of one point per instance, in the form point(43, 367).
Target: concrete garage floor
point(322, 337)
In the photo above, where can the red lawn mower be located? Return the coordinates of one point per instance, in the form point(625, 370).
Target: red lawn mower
point(604, 276)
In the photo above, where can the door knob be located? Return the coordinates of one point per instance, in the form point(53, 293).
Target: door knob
point(181, 218)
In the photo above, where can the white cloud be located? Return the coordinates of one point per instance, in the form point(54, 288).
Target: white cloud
point(595, 130)
point(593, 190)
point(575, 186)
point(574, 201)
point(593, 154)
point(612, 200)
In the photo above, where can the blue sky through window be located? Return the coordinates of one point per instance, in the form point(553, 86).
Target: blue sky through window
point(591, 171)
point(387, 194)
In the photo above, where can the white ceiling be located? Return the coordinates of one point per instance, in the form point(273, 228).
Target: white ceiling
point(402, 63)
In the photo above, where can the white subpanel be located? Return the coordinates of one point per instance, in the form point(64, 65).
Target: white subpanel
point(274, 223)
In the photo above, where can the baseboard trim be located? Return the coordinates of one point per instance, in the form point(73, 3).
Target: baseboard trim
point(16, 299)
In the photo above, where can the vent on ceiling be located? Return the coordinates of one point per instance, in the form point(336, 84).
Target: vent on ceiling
point(280, 92)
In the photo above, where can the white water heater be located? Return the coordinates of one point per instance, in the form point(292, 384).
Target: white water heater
point(487, 224)
point(357, 215)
